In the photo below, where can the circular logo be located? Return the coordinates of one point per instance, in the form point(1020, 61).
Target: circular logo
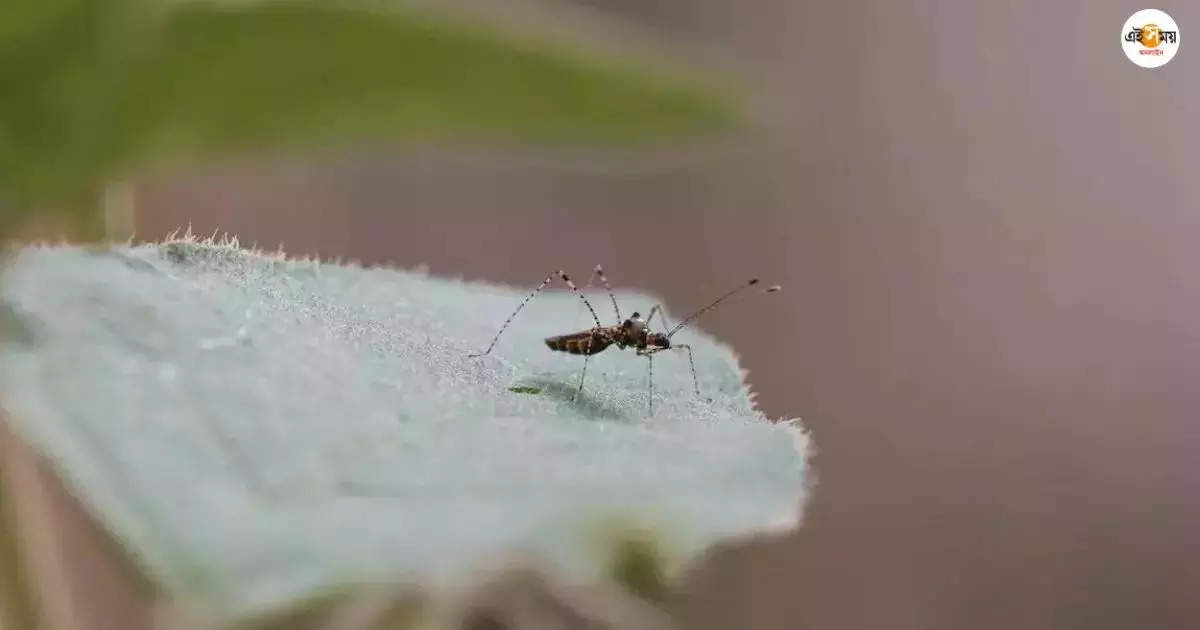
point(1150, 38)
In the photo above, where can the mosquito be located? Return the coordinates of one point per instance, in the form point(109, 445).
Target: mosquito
point(633, 332)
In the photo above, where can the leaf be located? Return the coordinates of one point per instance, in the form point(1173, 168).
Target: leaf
point(63, 64)
point(95, 90)
point(256, 430)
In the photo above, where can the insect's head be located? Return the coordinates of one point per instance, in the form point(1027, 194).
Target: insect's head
point(658, 340)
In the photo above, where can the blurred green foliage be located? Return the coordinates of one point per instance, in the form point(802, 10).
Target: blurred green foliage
point(96, 90)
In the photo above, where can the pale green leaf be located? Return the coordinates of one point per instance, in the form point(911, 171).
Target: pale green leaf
point(256, 430)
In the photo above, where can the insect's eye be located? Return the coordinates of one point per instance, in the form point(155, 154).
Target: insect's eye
point(627, 324)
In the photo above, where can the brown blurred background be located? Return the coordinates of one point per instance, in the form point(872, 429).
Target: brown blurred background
point(984, 217)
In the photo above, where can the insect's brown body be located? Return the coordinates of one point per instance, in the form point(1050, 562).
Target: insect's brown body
point(586, 342)
point(631, 333)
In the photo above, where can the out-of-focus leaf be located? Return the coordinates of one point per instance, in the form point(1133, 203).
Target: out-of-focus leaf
point(90, 90)
point(287, 74)
point(63, 67)
point(257, 430)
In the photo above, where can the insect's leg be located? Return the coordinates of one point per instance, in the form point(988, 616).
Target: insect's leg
point(598, 272)
point(692, 363)
point(650, 383)
point(691, 360)
point(587, 354)
point(541, 286)
point(649, 354)
point(658, 309)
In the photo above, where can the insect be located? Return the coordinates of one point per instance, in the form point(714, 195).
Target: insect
point(633, 332)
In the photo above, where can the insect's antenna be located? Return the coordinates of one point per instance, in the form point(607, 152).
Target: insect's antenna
point(685, 321)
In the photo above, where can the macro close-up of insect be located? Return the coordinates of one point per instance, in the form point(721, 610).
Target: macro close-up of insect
point(633, 332)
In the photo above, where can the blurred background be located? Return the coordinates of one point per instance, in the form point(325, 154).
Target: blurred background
point(984, 219)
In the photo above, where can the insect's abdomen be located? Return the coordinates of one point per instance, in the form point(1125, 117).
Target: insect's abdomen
point(578, 343)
